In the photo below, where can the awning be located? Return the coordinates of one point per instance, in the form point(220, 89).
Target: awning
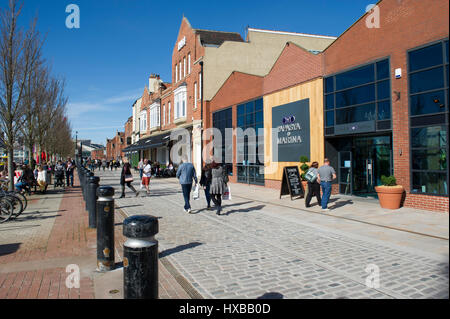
point(149, 142)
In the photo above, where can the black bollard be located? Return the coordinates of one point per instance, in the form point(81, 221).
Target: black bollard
point(105, 228)
point(140, 258)
point(92, 200)
point(86, 189)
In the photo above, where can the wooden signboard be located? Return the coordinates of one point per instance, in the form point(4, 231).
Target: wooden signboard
point(291, 183)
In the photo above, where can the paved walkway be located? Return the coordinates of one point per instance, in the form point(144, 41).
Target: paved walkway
point(261, 245)
point(51, 234)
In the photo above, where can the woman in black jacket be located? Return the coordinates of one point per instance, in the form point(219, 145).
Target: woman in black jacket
point(218, 185)
point(126, 174)
point(205, 182)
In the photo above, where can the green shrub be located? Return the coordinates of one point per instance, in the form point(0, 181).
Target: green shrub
point(304, 167)
point(388, 180)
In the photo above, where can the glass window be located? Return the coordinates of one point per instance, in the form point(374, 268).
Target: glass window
point(250, 107)
point(356, 77)
point(426, 80)
point(429, 159)
point(384, 110)
point(241, 109)
point(329, 103)
point(330, 118)
point(259, 105)
point(429, 137)
point(430, 182)
point(356, 96)
point(383, 90)
point(427, 103)
point(329, 85)
point(355, 114)
point(383, 70)
point(446, 51)
point(425, 57)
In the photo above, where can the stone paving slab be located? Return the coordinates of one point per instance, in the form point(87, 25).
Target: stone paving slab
point(259, 247)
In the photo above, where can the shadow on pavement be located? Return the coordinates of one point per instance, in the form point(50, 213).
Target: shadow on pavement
point(341, 204)
point(9, 248)
point(245, 210)
point(271, 295)
point(177, 249)
point(28, 218)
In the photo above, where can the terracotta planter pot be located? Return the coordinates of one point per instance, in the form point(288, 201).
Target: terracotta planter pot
point(305, 187)
point(390, 196)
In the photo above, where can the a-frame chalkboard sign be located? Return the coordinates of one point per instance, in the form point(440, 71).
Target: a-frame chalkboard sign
point(291, 183)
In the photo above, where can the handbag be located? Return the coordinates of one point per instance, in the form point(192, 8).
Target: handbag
point(128, 178)
point(310, 176)
point(227, 193)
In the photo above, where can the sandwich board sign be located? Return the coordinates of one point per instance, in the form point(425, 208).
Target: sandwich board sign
point(291, 183)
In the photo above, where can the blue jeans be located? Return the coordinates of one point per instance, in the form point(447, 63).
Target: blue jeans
point(69, 176)
point(208, 195)
point(20, 186)
point(326, 189)
point(141, 172)
point(186, 194)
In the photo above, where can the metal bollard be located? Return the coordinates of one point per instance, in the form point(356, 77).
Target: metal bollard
point(140, 258)
point(105, 228)
point(92, 200)
point(86, 189)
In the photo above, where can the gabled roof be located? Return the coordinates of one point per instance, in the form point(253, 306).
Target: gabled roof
point(208, 37)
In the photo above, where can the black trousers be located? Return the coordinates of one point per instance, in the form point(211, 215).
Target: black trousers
point(313, 190)
point(129, 186)
point(217, 199)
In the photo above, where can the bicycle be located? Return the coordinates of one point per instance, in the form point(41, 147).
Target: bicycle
point(6, 209)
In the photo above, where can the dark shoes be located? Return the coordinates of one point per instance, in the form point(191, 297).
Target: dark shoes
point(123, 196)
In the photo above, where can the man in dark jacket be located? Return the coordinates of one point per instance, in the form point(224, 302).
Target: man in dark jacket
point(186, 173)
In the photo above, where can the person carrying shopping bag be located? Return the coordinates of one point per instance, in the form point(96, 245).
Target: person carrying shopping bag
point(218, 185)
point(205, 182)
point(126, 178)
point(313, 185)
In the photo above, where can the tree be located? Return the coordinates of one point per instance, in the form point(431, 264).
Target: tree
point(19, 53)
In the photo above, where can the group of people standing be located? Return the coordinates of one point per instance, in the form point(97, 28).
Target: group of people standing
point(25, 177)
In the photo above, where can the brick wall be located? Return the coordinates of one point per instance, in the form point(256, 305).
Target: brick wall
point(403, 25)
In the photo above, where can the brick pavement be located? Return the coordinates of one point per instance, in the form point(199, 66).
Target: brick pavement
point(36, 248)
point(258, 247)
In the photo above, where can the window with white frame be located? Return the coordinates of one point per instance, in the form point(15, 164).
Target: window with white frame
point(195, 95)
point(184, 67)
point(189, 63)
point(180, 102)
point(176, 73)
point(143, 121)
point(181, 70)
point(154, 115)
point(170, 109)
point(164, 114)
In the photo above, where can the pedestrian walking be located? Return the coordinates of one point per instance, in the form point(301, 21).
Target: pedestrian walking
point(141, 167)
point(326, 174)
point(147, 175)
point(186, 173)
point(104, 164)
point(126, 178)
point(218, 185)
point(205, 182)
point(313, 185)
point(69, 172)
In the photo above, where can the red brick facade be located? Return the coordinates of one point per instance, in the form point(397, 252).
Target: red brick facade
point(115, 146)
point(404, 25)
point(98, 154)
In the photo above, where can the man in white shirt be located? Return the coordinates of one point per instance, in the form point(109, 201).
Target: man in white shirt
point(146, 175)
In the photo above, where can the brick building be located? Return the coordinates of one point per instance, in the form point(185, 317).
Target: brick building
point(363, 115)
point(115, 146)
point(98, 154)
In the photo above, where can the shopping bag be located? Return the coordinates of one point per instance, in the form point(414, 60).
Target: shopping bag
point(196, 192)
point(227, 194)
point(128, 178)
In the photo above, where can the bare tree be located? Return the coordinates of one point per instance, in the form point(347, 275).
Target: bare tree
point(19, 53)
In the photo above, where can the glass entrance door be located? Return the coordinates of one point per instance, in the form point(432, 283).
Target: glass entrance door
point(371, 159)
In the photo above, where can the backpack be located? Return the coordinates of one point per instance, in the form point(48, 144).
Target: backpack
point(311, 176)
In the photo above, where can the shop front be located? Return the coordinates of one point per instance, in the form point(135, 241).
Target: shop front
point(358, 137)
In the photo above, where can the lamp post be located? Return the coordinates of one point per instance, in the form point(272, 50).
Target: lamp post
point(76, 143)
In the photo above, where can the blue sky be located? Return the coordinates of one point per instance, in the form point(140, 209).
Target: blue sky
point(107, 61)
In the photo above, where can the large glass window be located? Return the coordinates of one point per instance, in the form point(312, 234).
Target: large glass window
point(359, 95)
point(428, 100)
point(251, 116)
point(221, 121)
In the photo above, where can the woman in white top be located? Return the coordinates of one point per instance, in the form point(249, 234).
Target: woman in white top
point(146, 175)
point(42, 179)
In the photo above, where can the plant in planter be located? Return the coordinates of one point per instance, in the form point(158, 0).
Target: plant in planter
point(304, 168)
point(389, 193)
